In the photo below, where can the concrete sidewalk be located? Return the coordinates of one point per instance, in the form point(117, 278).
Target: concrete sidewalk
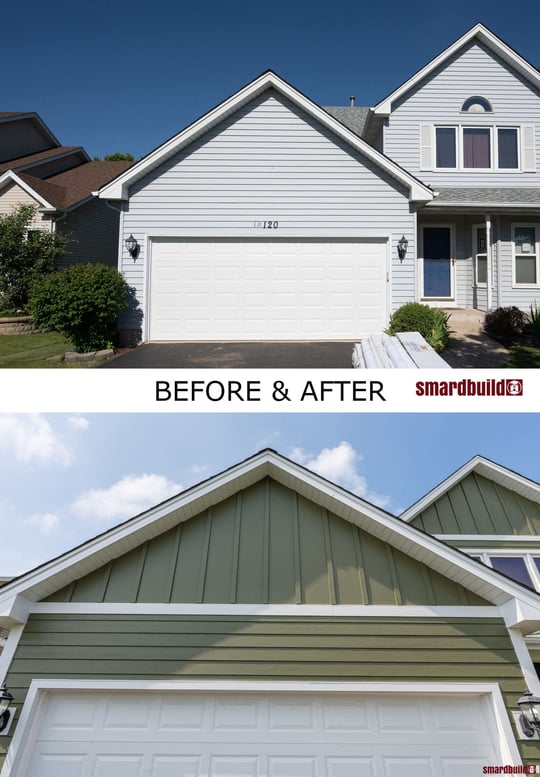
point(469, 347)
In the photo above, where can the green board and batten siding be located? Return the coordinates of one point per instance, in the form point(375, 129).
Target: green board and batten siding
point(477, 505)
point(267, 545)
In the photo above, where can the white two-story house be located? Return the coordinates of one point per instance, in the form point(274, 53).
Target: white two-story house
point(271, 217)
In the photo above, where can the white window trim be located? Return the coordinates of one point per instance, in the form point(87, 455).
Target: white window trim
point(18, 755)
point(527, 555)
point(493, 143)
point(536, 227)
point(476, 283)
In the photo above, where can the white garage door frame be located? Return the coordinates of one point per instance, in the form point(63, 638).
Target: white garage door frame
point(20, 751)
point(260, 234)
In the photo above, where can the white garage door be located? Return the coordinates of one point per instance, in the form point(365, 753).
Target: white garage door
point(261, 735)
point(290, 289)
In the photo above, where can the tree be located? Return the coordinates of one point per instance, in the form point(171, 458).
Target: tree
point(25, 254)
point(116, 157)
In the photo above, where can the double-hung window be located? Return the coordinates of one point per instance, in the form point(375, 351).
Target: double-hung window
point(480, 255)
point(525, 239)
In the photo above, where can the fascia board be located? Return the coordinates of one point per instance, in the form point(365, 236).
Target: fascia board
point(483, 206)
point(448, 561)
point(118, 189)
point(488, 469)
point(10, 175)
point(384, 108)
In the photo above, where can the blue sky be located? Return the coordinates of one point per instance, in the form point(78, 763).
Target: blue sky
point(65, 478)
point(127, 75)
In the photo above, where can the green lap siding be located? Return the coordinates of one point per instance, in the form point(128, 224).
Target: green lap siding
point(271, 648)
point(267, 545)
point(477, 505)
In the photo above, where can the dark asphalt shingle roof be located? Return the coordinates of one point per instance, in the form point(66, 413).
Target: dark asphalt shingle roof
point(353, 118)
point(40, 156)
point(481, 196)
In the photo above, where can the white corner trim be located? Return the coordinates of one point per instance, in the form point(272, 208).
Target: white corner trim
point(8, 652)
point(283, 610)
point(530, 675)
point(19, 753)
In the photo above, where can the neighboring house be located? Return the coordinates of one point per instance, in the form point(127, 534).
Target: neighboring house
point(267, 621)
point(59, 181)
point(273, 218)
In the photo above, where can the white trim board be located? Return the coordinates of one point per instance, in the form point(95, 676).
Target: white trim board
point(17, 759)
point(9, 175)
point(17, 597)
point(482, 466)
point(266, 610)
point(485, 37)
point(119, 188)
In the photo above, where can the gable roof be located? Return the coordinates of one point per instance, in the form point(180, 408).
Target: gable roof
point(68, 189)
point(41, 157)
point(482, 466)
point(484, 36)
point(17, 596)
point(35, 118)
point(118, 189)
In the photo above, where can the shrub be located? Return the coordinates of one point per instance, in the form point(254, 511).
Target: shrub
point(506, 322)
point(413, 317)
point(430, 322)
point(532, 327)
point(81, 302)
point(25, 254)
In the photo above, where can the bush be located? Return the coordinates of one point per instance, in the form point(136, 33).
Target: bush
point(508, 323)
point(81, 302)
point(532, 327)
point(25, 254)
point(430, 322)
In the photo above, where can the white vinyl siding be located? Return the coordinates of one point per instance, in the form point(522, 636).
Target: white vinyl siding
point(269, 161)
point(438, 101)
point(212, 734)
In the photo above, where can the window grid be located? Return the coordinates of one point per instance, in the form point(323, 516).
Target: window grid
point(441, 132)
point(528, 558)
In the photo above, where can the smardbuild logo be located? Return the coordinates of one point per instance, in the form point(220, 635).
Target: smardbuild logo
point(512, 387)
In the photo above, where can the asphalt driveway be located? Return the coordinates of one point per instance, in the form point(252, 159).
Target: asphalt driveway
point(221, 355)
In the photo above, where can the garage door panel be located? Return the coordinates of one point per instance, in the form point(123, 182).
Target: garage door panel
point(194, 286)
point(219, 734)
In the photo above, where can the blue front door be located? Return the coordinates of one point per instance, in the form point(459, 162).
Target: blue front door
point(437, 262)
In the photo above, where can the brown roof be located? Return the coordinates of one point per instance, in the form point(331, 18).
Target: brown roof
point(41, 156)
point(73, 186)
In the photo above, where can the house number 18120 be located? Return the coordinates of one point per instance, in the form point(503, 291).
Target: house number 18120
point(266, 224)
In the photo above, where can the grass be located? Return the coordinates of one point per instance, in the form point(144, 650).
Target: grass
point(35, 351)
point(524, 357)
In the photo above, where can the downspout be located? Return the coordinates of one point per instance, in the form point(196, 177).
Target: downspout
point(499, 260)
point(489, 269)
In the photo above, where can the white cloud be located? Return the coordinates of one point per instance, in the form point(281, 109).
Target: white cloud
point(45, 522)
point(30, 437)
point(124, 499)
point(340, 465)
point(78, 423)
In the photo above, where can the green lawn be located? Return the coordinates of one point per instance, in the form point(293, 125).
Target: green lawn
point(524, 357)
point(34, 350)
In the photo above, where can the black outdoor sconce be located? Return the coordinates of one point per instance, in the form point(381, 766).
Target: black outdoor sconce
point(529, 718)
point(132, 246)
point(402, 248)
point(5, 700)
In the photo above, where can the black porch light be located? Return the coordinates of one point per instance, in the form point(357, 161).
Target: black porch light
point(402, 247)
point(529, 718)
point(132, 246)
point(5, 700)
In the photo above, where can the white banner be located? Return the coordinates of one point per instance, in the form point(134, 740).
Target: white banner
point(279, 391)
